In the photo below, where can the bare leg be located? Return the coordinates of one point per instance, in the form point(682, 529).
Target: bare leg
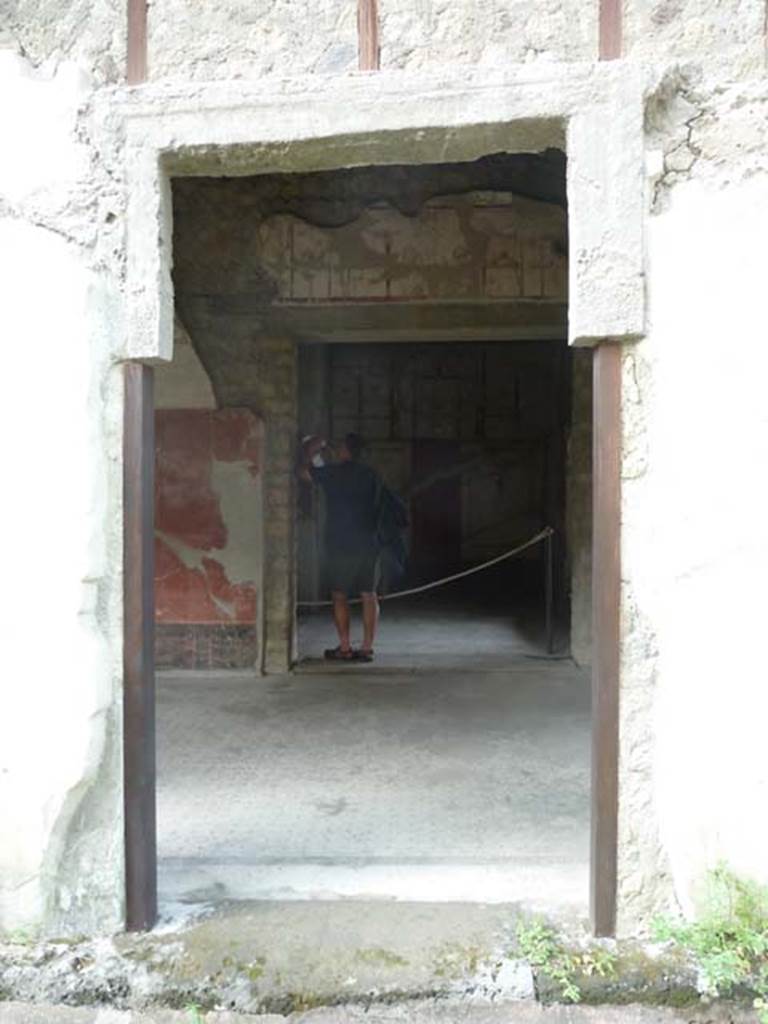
point(341, 618)
point(370, 620)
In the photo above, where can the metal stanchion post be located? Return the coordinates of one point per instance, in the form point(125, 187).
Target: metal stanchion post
point(549, 580)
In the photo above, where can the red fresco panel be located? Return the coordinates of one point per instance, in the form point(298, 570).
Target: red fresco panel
point(188, 511)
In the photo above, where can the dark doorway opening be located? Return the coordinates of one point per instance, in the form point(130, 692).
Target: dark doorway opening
point(473, 437)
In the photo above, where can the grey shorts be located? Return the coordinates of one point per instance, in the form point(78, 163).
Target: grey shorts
point(352, 571)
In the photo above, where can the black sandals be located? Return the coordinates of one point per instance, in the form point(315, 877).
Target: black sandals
point(336, 654)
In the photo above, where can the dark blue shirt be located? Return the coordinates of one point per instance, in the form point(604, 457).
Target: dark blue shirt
point(351, 491)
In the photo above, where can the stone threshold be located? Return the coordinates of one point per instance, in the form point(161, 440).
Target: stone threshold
point(346, 960)
point(422, 1012)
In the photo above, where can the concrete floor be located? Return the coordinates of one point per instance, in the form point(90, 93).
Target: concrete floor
point(448, 628)
point(387, 781)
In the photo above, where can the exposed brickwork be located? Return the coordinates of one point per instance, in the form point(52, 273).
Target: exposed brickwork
point(205, 646)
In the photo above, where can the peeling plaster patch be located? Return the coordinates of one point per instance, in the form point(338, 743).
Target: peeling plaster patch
point(239, 488)
point(671, 114)
point(221, 226)
point(706, 130)
point(202, 594)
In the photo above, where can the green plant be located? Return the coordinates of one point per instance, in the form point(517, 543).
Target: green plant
point(729, 940)
point(195, 1017)
point(542, 947)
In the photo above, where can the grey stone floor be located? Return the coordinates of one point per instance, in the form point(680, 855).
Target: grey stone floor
point(460, 627)
point(466, 780)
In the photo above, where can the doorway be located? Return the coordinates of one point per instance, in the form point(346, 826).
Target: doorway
point(231, 372)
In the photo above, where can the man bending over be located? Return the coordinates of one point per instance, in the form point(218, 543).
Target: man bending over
point(351, 491)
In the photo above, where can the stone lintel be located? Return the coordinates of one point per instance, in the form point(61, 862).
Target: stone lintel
point(318, 122)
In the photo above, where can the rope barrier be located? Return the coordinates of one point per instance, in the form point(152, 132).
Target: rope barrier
point(540, 536)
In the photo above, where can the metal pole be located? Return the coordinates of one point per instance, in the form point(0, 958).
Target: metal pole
point(549, 578)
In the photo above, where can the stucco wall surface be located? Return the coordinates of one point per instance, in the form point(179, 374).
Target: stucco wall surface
point(694, 777)
point(49, 34)
point(726, 36)
point(240, 39)
point(60, 763)
point(237, 39)
point(485, 32)
point(243, 39)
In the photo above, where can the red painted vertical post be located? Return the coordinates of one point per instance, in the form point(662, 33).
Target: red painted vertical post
point(368, 35)
point(138, 648)
point(606, 590)
point(606, 602)
point(136, 63)
point(139, 775)
point(610, 29)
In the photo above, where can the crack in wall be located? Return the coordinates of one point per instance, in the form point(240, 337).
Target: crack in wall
point(673, 110)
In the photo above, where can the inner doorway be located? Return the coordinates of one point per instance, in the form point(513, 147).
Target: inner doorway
point(472, 438)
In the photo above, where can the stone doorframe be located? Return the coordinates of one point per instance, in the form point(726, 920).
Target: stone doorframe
point(593, 112)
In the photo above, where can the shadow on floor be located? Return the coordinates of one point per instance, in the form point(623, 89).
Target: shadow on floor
point(484, 623)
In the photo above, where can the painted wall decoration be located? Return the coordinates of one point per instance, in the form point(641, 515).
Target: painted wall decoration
point(207, 543)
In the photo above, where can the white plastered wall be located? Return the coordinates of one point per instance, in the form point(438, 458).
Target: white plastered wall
point(695, 497)
point(60, 750)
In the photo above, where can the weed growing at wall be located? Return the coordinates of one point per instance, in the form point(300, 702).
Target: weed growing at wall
point(729, 941)
point(545, 951)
